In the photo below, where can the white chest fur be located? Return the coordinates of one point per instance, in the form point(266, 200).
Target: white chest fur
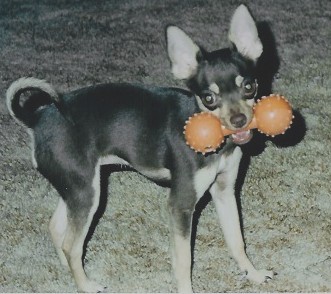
point(206, 176)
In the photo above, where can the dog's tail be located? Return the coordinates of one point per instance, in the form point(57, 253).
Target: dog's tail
point(37, 93)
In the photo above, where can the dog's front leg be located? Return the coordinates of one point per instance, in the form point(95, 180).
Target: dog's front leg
point(223, 195)
point(180, 213)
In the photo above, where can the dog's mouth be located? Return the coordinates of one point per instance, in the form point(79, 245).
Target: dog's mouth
point(242, 137)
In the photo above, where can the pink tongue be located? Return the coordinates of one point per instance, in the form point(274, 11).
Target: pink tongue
point(241, 137)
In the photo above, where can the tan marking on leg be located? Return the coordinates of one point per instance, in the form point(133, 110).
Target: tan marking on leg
point(181, 262)
point(74, 242)
point(58, 227)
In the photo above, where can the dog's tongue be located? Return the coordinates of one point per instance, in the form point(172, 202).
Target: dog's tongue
point(242, 137)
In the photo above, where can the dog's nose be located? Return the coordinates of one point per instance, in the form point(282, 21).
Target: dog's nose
point(238, 120)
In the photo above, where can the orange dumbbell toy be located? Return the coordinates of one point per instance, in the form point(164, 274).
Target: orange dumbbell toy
point(272, 116)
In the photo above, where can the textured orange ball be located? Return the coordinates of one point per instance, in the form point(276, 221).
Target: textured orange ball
point(203, 132)
point(273, 115)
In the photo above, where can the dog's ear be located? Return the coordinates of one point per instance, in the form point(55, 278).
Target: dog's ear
point(243, 34)
point(182, 52)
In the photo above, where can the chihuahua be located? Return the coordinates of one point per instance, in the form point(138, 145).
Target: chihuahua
point(141, 127)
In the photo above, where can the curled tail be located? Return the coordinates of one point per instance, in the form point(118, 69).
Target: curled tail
point(41, 94)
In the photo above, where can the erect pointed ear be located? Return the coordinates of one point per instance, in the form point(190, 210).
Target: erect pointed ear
point(243, 33)
point(182, 52)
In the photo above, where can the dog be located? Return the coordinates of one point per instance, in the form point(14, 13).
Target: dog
point(141, 126)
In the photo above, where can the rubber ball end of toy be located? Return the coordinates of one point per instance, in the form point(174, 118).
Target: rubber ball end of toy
point(203, 132)
point(273, 115)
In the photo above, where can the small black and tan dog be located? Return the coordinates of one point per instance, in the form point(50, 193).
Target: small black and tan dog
point(139, 126)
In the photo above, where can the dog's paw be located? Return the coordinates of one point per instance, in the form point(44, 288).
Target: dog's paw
point(260, 276)
point(92, 287)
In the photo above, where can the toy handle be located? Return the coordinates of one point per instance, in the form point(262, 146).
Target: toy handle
point(252, 125)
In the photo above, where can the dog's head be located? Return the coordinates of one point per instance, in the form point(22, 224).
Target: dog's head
point(223, 81)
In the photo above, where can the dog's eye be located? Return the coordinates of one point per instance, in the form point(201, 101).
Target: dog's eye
point(249, 88)
point(208, 99)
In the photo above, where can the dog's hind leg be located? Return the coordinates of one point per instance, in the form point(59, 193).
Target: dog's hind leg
point(58, 227)
point(81, 206)
point(224, 198)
